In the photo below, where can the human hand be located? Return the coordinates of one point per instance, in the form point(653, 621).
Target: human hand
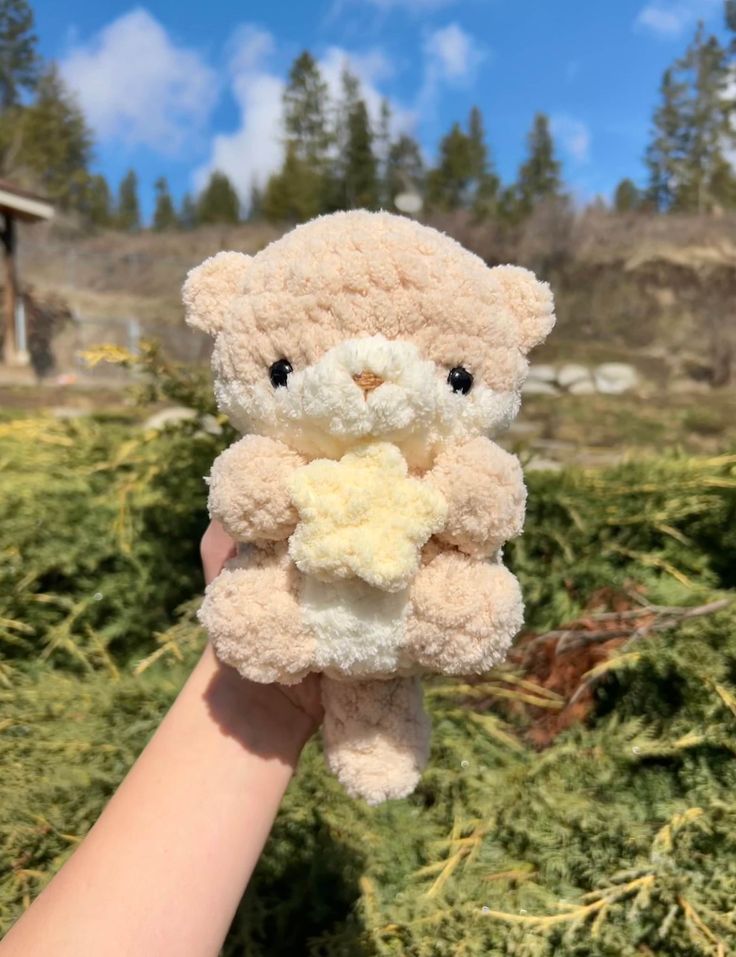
point(287, 708)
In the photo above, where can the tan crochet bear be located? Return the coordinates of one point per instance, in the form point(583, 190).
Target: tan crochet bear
point(367, 360)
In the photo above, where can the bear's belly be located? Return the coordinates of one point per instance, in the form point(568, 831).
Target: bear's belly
point(359, 630)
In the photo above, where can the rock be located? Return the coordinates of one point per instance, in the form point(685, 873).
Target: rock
point(170, 416)
point(68, 412)
point(538, 464)
point(583, 387)
point(181, 413)
point(533, 387)
point(542, 373)
point(571, 373)
point(614, 378)
point(524, 428)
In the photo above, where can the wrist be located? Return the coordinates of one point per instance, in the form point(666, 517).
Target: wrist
point(261, 716)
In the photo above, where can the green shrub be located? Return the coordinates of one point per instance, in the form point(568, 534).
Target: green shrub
point(618, 839)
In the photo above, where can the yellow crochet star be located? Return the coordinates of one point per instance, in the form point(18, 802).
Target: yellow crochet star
point(363, 517)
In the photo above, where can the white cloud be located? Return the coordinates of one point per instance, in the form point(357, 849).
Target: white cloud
point(249, 48)
point(137, 86)
point(451, 56)
point(452, 53)
point(254, 151)
point(370, 67)
point(670, 18)
point(573, 135)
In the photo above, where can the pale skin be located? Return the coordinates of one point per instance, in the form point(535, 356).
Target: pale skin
point(164, 867)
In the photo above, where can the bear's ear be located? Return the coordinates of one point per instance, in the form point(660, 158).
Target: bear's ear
point(530, 302)
point(211, 287)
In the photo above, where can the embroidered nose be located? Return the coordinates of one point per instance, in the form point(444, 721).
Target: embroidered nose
point(368, 381)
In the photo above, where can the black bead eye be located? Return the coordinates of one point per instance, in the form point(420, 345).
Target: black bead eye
point(460, 380)
point(279, 372)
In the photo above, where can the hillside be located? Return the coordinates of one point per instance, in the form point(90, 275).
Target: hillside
point(659, 290)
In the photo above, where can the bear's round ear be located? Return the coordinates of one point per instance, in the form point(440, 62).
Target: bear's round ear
point(210, 288)
point(530, 302)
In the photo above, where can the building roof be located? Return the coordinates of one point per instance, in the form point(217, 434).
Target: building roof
point(23, 204)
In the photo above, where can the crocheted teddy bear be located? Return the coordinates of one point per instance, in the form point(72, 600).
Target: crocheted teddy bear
point(367, 360)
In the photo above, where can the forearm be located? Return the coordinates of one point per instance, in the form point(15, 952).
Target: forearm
point(163, 869)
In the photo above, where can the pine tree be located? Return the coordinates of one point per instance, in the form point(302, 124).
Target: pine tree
point(404, 168)
point(187, 216)
point(539, 177)
point(382, 147)
point(255, 210)
point(448, 183)
point(708, 116)
point(97, 206)
point(486, 183)
point(295, 193)
point(361, 174)
point(693, 131)
point(19, 63)
point(627, 197)
point(306, 108)
point(55, 142)
point(128, 215)
point(218, 202)
point(164, 216)
point(666, 152)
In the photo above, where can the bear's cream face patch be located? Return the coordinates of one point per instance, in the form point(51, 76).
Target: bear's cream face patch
point(366, 389)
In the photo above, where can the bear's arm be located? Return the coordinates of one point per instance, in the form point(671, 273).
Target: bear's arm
point(248, 489)
point(485, 492)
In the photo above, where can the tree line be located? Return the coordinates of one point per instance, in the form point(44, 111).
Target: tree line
point(337, 157)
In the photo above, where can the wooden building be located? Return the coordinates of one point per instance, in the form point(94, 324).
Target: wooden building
point(16, 204)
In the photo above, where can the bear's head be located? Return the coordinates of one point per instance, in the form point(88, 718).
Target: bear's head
point(359, 326)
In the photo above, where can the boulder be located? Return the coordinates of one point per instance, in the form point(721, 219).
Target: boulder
point(542, 373)
point(570, 373)
point(614, 378)
point(534, 387)
point(583, 387)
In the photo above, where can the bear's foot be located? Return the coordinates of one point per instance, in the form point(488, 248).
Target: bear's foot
point(376, 736)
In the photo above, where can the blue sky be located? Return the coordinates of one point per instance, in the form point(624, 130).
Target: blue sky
point(178, 88)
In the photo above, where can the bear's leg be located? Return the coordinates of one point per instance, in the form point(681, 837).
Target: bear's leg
point(464, 614)
point(376, 736)
point(252, 616)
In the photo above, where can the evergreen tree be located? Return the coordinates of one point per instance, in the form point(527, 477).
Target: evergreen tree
point(219, 201)
point(693, 131)
point(382, 147)
point(187, 216)
point(19, 64)
point(462, 177)
point(55, 142)
point(539, 177)
point(128, 215)
point(448, 183)
point(404, 168)
point(361, 174)
point(305, 111)
point(164, 216)
point(627, 197)
point(486, 183)
point(255, 211)
point(295, 193)
point(729, 13)
point(97, 207)
point(667, 149)
point(303, 186)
